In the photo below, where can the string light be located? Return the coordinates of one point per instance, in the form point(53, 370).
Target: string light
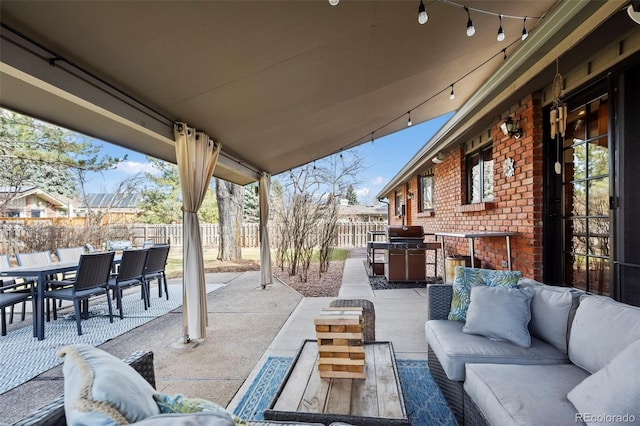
point(525, 33)
point(471, 30)
point(451, 93)
point(334, 2)
point(501, 35)
point(422, 14)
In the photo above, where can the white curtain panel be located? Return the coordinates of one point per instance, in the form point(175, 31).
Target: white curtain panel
point(197, 155)
point(265, 247)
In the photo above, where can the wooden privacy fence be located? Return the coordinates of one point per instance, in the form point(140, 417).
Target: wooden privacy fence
point(13, 235)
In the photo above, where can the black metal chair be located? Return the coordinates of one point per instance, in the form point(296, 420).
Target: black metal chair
point(91, 280)
point(5, 263)
point(155, 268)
point(130, 273)
point(13, 293)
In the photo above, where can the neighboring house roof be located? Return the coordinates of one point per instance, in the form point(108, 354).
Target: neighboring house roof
point(109, 200)
point(360, 210)
point(57, 200)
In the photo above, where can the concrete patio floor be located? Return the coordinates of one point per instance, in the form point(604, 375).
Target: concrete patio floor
point(246, 325)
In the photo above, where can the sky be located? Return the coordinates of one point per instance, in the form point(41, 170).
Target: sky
point(382, 159)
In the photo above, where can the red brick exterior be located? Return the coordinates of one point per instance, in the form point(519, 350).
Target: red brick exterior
point(517, 204)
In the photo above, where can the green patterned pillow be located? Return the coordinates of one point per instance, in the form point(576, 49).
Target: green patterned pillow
point(466, 278)
point(182, 404)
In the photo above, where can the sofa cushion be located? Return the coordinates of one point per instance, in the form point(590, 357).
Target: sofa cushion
point(466, 278)
point(455, 348)
point(613, 390)
point(500, 313)
point(524, 394)
point(552, 310)
point(601, 329)
point(190, 419)
point(100, 389)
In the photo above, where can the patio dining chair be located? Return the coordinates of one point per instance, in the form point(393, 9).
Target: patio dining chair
point(155, 268)
point(92, 280)
point(12, 294)
point(9, 282)
point(37, 258)
point(130, 273)
point(69, 254)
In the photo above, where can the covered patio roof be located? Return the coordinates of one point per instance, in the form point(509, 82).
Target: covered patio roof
point(278, 83)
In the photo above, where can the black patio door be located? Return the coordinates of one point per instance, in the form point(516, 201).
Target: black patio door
point(586, 222)
point(591, 210)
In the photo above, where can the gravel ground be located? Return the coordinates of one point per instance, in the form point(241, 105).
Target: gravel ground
point(325, 285)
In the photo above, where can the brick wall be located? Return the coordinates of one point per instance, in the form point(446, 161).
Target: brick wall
point(517, 204)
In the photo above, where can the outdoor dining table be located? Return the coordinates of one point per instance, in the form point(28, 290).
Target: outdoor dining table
point(42, 271)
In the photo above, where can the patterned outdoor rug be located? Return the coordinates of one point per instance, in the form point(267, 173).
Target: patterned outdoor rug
point(424, 402)
point(22, 357)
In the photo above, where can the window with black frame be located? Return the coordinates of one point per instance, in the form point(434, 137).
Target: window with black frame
point(480, 175)
point(399, 203)
point(425, 184)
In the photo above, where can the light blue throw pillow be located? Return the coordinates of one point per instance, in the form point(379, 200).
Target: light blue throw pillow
point(100, 389)
point(466, 278)
point(500, 313)
point(613, 391)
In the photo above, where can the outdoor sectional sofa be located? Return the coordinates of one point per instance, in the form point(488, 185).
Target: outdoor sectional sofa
point(581, 363)
point(135, 398)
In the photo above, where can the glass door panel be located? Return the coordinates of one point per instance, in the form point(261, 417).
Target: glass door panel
point(585, 182)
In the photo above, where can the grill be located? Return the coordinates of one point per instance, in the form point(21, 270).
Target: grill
point(406, 255)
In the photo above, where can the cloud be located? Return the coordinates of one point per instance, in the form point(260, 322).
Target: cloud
point(363, 192)
point(379, 180)
point(135, 167)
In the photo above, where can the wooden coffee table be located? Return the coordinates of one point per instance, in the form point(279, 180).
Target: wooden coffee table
point(375, 400)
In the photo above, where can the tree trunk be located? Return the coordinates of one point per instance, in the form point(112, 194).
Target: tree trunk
point(230, 201)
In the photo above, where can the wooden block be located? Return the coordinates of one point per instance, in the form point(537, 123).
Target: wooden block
point(341, 328)
point(355, 368)
point(353, 328)
point(341, 375)
point(334, 348)
point(340, 338)
point(325, 367)
point(342, 320)
point(356, 355)
point(340, 361)
point(323, 328)
point(341, 342)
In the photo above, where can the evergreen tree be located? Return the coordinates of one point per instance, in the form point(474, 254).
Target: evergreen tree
point(251, 211)
point(352, 196)
point(162, 201)
point(38, 154)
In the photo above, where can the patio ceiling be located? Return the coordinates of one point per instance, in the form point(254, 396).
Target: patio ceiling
point(278, 83)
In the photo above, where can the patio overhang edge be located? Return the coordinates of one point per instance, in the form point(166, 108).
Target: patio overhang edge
point(542, 48)
point(89, 106)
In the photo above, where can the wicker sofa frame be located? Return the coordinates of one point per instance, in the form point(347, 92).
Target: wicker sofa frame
point(464, 409)
point(52, 414)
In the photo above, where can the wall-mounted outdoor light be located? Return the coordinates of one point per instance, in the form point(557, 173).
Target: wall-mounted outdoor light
point(438, 158)
point(510, 128)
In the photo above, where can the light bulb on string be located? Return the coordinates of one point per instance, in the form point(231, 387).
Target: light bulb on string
point(409, 122)
point(501, 34)
point(334, 2)
point(471, 30)
point(525, 33)
point(452, 95)
point(504, 51)
point(422, 14)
